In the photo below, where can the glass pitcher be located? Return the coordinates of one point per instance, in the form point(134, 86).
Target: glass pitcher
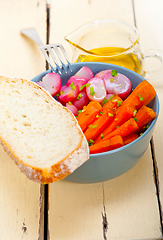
point(111, 41)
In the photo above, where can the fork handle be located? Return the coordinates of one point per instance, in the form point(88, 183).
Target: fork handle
point(32, 34)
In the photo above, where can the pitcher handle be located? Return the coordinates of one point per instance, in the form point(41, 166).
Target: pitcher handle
point(153, 73)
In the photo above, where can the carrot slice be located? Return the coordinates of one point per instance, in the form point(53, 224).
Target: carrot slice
point(144, 116)
point(113, 103)
point(107, 145)
point(122, 116)
point(98, 125)
point(88, 114)
point(130, 138)
point(125, 129)
point(141, 95)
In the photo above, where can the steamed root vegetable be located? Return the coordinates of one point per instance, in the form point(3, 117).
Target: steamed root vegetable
point(80, 81)
point(102, 73)
point(85, 72)
point(51, 82)
point(72, 108)
point(81, 100)
point(96, 89)
point(141, 95)
point(125, 129)
point(59, 93)
point(113, 103)
point(110, 144)
point(81, 78)
point(88, 114)
point(100, 122)
point(117, 83)
point(130, 138)
point(121, 117)
point(69, 93)
point(109, 95)
point(144, 116)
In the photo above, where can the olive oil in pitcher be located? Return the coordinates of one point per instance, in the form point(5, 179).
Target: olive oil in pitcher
point(113, 55)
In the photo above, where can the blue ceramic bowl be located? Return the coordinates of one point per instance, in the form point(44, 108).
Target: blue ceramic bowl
point(108, 165)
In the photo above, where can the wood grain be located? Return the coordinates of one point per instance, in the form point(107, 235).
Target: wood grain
point(150, 18)
point(20, 199)
point(125, 207)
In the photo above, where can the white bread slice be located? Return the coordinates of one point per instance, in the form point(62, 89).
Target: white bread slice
point(41, 136)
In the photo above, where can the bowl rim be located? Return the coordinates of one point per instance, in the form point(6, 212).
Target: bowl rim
point(122, 69)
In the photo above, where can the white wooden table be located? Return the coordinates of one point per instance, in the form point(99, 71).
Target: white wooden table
point(128, 207)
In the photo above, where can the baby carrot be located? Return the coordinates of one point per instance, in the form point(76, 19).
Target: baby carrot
point(141, 95)
point(113, 103)
point(101, 121)
point(88, 114)
point(144, 116)
point(130, 138)
point(107, 145)
point(122, 116)
point(125, 129)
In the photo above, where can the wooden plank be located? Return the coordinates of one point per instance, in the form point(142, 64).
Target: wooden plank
point(127, 205)
point(21, 199)
point(75, 211)
point(152, 39)
point(131, 203)
point(20, 57)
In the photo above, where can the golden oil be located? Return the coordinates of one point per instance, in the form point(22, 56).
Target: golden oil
point(113, 55)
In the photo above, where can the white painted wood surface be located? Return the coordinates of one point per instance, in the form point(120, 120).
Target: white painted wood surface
point(20, 198)
point(131, 204)
point(150, 18)
point(77, 211)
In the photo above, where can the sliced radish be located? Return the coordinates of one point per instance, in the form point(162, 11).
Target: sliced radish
point(69, 93)
point(80, 81)
point(81, 100)
point(85, 72)
point(61, 92)
point(72, 108)
point(102, 73)
point(96, 89)
point(51, 82)
point(117, 84)
point(62, 89)
point(109, 95)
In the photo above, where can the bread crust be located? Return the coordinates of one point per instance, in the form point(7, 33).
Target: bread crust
point(62, 168)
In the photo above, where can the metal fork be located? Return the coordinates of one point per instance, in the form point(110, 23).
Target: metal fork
point(49, 50)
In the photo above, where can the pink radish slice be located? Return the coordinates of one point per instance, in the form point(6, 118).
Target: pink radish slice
point(69, 93)
point(119, 85)
point(102, 73)
point(51, 82)
point(61, 92)
point(62, 89)
point(80, 81)
point(81, 100)
point(72, 108)
point(96, 89)
point(109, 95)
point(85, 72)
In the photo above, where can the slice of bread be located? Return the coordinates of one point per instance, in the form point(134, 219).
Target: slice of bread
point(41, 136)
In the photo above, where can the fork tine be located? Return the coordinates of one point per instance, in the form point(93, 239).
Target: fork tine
point(59, 56)
point(56, 46)
point(54, 58)
point(48, 48)
point(47, 57)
